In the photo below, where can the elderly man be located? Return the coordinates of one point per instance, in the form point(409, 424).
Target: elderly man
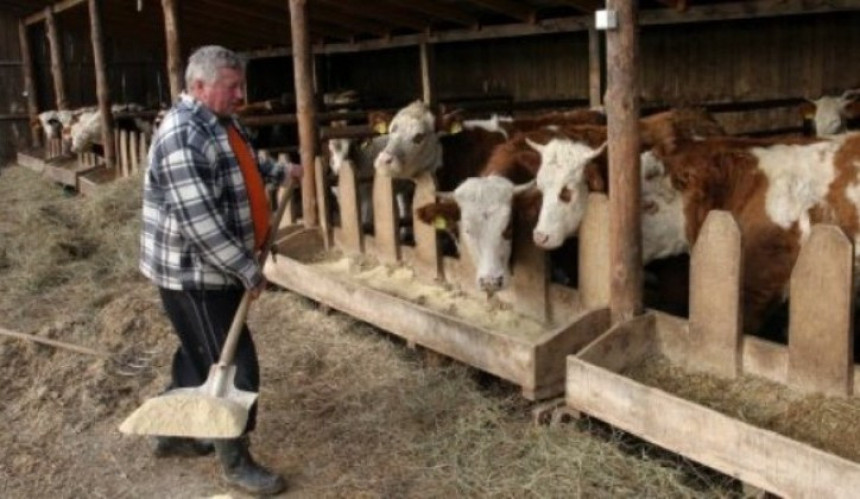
point(205, 216)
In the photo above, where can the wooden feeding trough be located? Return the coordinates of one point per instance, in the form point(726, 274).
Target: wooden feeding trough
point(132, 149)
point(561, 320)
point(818, 359)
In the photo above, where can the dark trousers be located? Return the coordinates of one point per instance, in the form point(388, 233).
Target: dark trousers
point(201, 320)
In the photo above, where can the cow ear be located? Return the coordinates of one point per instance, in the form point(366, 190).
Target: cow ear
point(442, 215)
point(380, 127)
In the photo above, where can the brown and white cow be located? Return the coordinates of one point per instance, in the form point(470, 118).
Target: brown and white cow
point(776, 190)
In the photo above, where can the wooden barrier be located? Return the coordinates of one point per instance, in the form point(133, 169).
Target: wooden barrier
point(816, 359)
point(532, 360)
point(131, 156)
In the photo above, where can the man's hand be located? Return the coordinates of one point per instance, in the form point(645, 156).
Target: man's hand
point(257, 290)
point(294, 170)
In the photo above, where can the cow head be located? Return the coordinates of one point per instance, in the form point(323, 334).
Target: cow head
point(563, 181)
point(831, 113)
point(482, 209)
point(663, 222)
point(86, 131)
point(413, 147)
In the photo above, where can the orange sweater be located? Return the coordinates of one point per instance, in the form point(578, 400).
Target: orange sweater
point(253, 185)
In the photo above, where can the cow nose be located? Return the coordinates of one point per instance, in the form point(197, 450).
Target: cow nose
point(540, 238)
point(490, 283)
point(385, 159)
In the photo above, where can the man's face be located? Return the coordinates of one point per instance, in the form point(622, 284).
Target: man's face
point(224, 94)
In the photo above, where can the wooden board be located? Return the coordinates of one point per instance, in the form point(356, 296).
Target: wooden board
point(756, 456)
point(536, 363)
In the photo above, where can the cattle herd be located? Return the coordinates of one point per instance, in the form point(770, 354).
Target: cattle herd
point(502, 173)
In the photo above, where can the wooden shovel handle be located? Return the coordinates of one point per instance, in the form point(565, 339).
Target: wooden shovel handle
point(229, 350)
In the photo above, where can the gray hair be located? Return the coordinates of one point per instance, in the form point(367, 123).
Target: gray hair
point(205, 63)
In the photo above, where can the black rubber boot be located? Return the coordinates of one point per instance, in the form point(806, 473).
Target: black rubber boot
point(182, 447)
point(241, 471)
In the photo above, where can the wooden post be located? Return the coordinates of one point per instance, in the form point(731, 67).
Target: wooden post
point(174, 52)
point(305, 106)
point(102, 88)
point(595, 79)
point(29, 88)
point(427, 69)
point(622, 110)
point(56, 60)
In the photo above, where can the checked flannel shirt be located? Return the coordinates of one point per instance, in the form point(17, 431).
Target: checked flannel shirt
point(197, 228)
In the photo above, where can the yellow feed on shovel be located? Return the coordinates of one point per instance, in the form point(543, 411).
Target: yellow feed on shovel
point(187, 415)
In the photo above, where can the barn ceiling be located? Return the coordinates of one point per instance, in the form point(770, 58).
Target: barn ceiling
point(342, 25)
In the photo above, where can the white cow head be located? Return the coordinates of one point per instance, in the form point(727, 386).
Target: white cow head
point(830, 112)
point(413, 146)
point(563, 182)
point(484, 207)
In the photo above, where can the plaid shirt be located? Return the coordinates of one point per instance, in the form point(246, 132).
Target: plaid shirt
point(197, 226)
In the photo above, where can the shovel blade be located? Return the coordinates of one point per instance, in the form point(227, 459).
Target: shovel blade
point(216, 409)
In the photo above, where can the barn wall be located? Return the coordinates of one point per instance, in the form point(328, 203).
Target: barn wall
point(14, 132)
point(136, 71)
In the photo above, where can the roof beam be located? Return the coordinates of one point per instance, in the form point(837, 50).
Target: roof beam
point(379, 11)
point(56, 9)
point(704, 13)
point(319, 13)
point(441, 10)
point(510, 8)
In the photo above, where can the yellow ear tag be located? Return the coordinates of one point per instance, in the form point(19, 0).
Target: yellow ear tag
point(439, 223)
point(381, 128)
point(456, 127)
point(809, 116)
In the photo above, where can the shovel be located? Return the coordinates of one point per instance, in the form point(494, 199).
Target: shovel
point(216, 409)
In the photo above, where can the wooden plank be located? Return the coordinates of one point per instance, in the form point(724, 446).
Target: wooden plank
point(715, 297)
point(820, 340)
point(385, 219)
point(626, 344)
point(322, 198)
point(56, 53)
point(135, 158)
point(529, 287)
point(56, 8)
point(427, 261)
point(760, 457)
point(593, 257)
point(102, 85)
point(124, 160)
point(173, 39)
point(31, 162)
point(350, 222)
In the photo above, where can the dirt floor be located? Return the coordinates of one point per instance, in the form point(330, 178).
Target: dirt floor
point(345, 410)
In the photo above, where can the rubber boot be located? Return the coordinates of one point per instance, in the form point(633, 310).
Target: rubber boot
point(182, 447)
point(241, 471)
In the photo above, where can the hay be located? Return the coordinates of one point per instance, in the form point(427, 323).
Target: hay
point(400, 281)
point(828, 423)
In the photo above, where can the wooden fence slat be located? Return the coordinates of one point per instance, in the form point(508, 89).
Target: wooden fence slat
point(125, 166)
point(323, 202)
point(427, 256)
point(134, 152)
point(529, 276)
point(349, 210)
point(594, 253)
point(820, 348)
point(716, 267)
point(385, 219)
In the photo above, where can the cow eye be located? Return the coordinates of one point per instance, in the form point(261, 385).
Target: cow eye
point(565, 195)
point(393, 129)
point(418, 138)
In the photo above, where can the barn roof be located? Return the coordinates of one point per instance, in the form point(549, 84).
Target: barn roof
point(262, 27)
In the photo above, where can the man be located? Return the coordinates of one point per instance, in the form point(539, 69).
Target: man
point(205, 216)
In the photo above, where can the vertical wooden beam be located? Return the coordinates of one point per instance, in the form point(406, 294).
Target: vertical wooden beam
point(305, 106)
point(622, 110)
point(428, 62)
point(29, 87)
point(595, 77)
point(174, 48)
point(102, 88)
point(56, 60)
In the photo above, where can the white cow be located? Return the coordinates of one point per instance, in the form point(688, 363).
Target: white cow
point(87, 130)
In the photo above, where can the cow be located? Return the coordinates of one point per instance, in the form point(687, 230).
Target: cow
point(87, 129)
point(830, 114)
point(776, 190)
